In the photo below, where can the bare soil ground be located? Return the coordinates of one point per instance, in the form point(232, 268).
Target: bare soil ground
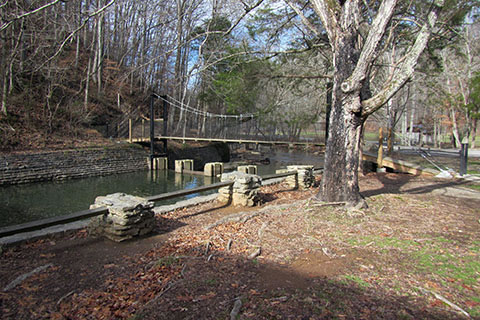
point(413, 254)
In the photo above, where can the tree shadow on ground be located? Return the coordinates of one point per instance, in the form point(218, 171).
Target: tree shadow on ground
point(151, 278)
point(208, 289)
point(396, 184)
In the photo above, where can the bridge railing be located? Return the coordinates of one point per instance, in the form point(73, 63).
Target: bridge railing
point(85, 214)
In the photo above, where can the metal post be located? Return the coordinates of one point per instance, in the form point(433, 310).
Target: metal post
point(464, 157)
point(130, 130)
point(152, 132)
point(165, 122)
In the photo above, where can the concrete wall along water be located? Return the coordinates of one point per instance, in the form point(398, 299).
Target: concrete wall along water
point(69, 164)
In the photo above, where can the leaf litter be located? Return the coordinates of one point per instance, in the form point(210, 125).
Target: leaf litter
point(287, 258)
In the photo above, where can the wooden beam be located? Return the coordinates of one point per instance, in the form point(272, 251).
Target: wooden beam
point(402, 166)
point(180, 193)
point(49, 222)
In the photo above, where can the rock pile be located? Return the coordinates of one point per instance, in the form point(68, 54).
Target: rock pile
point(128, 216)
point(244, 191)
point(305, 178)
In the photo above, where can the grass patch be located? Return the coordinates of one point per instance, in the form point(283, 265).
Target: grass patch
point(473, 186)
point(448, 266)
point(431, 256)
point(167, 261)
point(211, 282)
point(347, 279)
point(384, 242)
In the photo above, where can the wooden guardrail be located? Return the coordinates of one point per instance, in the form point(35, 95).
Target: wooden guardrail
point(81, 215)
point(49, 222)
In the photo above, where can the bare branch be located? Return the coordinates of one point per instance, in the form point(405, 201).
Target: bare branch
point(327, 11)
point(26, 14)
point(295, 76)
point(406, 68)
point(70, 36)
point(377, 30)
point(305, 21)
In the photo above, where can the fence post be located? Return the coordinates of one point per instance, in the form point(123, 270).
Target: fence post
point(130, 130)
point(464, 156)
point(380, 150)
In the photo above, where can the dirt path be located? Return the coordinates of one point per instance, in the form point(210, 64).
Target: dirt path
point(416, 244)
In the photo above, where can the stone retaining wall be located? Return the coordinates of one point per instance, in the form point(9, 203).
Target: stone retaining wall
point(69, 164)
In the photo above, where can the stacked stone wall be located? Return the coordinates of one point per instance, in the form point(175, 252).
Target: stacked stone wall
point(70, 164)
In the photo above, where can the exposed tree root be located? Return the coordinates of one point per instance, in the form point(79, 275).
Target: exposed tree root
point(25, 276)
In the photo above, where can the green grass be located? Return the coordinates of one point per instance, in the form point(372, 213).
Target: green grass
point(475, 187)
point(448, 266)
point(384, 242)
point(167, 261)
point(355, 279)
point(431, 256)
point(210, 282)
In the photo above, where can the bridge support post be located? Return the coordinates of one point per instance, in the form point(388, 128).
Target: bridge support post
point(213, 169)
point(250, 169)
point(181, 165)
point(243, 192)
point(160, 163)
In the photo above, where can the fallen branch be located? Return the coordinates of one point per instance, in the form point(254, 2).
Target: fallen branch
point(255, 254)
point(207, 247)
point(65, 297)
point(168, 287)
point(25, 276)
point(236, 309)
point(243, 217)
point(262, 228)
point(443, 299)
point(328, 254)
point(237, 217)
point(327, 204)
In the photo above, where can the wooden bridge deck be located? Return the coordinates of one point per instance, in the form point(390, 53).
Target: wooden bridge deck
point(306, 144)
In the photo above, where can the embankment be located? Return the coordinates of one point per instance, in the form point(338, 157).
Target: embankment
point(19, 168)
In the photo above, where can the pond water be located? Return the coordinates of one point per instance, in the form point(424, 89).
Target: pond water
point(29, 202)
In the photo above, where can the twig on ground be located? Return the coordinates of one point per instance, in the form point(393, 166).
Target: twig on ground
point(328, 254)
point(207, 247)
point(327, 204)
point(183, 270)
point(25, 276)
point(443, 299)
point(158, 296)
point(243, 217)
point(229, 244)
point(236, 309)
point(262, 228)
point(65, 297)
point(255, 254)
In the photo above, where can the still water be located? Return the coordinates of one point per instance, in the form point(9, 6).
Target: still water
point(28, 202)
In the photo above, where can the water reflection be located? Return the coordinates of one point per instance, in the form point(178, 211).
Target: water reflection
point(30, 202)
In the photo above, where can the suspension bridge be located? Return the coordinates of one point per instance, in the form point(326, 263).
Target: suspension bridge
point(177, 120)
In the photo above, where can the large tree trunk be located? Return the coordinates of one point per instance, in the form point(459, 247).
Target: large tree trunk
point(352, 61)
point(340, 176)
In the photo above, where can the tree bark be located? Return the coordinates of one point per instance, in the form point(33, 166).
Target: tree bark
point(352, 61)
point(340, 177)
